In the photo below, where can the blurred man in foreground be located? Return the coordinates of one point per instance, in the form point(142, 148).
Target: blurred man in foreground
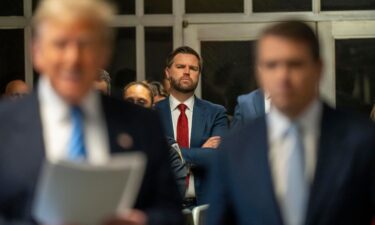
point(16, 89)
point(304, 162)
point(67, 120)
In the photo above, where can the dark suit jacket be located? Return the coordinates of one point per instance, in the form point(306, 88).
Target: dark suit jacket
point(208, 120)
point(343, 190)
point(22, 153)
point(249, 107)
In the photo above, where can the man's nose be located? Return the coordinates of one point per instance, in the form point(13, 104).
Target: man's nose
point(72, 53)
point(187, 70)
point(283, 71)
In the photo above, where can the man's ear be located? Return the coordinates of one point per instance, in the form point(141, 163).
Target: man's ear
point(166, 72)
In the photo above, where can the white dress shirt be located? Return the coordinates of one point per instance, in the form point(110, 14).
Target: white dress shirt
point(173, 103)
point(280, 146)
point(57, 125)
point(267, 104)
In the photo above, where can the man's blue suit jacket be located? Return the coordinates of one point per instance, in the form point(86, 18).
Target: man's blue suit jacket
point(22, 153)
point(249, 107)
point(342, 192)
point(208, 120)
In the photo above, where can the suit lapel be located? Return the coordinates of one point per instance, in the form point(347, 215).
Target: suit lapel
point(261, 172)
point(259, 103)
point(166, 116)
point(30, 130)
point(198, 123)
point(331, 167)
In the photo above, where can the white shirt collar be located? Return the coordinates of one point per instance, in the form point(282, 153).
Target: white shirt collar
point(49, 98)
point(173, 102)
point(309, 120)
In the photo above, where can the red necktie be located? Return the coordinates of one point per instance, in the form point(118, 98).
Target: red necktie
point(182, 128)
point(183, 132)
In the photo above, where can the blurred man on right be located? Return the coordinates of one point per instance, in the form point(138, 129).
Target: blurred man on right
point(302, 163)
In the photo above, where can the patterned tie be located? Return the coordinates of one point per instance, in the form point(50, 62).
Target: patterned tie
point(77, 150)
point(296, 196)
point(183, 133)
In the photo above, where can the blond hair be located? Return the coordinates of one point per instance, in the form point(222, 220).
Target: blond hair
point(97, 10)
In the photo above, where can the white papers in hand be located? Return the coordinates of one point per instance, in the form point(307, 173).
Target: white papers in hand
point(80, 193)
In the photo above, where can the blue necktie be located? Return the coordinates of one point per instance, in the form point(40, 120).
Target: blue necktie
point(77, 150)
point(296, 196)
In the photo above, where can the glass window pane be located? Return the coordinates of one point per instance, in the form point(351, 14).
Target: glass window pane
point(35, 4)
point(159, 43)
point(11, 8)
point(122, 68)
point(214, 6)
point(348, 4)
point(228, 71)
point(355, 74)
point(125, 7)
point(158, 7)
point(12, 60)
point(281, 5)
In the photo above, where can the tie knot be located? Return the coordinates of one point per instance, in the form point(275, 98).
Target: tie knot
point(76, 112)
point(182, 107)
point(293, 129)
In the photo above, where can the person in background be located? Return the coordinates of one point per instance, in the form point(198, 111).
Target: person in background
point(67, 119)
point(16, 89)
point(141, 94)
point(197, 125)
point(249, 107)
point(303, 162)
point(103, 83)
point(372, 115)
point(158, 91)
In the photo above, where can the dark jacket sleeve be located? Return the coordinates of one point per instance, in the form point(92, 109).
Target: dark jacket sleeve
point(164, 203)
point(219, 197)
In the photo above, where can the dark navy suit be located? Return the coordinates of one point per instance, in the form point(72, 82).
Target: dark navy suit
point(22, 153)
point(208, 120)
point(342, 192)
point(249, 107)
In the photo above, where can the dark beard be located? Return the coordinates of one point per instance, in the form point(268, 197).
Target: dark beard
point(176, 85)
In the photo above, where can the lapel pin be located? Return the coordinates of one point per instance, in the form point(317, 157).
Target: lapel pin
point(125, 141)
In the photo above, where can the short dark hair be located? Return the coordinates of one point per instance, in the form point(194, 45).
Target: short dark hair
point(295, 30)
point(157, 89)
point(183, 50)
point(143, 84)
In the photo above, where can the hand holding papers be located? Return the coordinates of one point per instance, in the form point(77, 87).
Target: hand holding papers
point(80, 193)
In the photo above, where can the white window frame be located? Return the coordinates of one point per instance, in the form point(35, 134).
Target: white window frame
point(330, 31)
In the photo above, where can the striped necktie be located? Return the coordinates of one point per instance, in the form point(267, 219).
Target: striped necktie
point(77, 150)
